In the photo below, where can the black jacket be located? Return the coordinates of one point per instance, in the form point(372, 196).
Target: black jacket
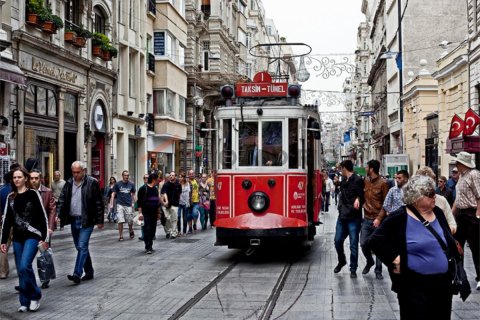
point(389, 240)
point(350, 189)
point(92, 203)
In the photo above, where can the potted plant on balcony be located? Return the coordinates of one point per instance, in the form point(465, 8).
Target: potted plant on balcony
point(57, 22)
point(69, 35)
point(45, 18)
point(99, 40)
point(82, 36)
point(33, 8)
point(108, 51)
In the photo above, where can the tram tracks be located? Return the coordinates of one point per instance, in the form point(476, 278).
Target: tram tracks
point(264, 312)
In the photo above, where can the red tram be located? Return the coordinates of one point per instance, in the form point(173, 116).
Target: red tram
point(268, 180)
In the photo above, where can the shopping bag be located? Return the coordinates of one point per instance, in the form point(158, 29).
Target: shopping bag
point(45, 265)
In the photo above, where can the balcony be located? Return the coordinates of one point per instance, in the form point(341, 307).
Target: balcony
point(151, 62)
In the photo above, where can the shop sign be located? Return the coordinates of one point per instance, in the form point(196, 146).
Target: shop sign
point(53, 71)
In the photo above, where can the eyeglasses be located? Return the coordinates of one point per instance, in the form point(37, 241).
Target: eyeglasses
point(431, 194)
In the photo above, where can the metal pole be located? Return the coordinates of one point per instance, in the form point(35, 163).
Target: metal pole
point(400, 72)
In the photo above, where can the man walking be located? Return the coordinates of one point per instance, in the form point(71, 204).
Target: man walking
point(349, 217)
point(148, 205)
point(124, 191)
point(444, 191)
point(48, 203)
point(57, 185)
point(376, 189)
point(467, 208)
point(81, 205)
point(170, 197)
point(394, 199)
point(452, 182)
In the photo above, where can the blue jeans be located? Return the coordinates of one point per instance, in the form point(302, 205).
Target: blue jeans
point(24, 254)
point(348, 228)
point(182, 218)
point(367, 230)
point(81, 237)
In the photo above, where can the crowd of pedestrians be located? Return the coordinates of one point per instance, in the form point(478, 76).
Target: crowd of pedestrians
point(400, 224)
point(31, 213)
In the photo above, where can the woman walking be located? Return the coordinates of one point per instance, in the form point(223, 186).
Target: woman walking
point(184, 204)
point(25, 213)
point(417, 264)
point(148, 210)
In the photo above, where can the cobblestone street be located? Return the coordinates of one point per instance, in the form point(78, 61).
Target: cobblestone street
point(189, 278)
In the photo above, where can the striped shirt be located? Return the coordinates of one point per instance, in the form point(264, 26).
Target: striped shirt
point(468, 189)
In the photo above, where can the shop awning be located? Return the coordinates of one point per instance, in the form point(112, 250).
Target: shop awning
point(11, 73)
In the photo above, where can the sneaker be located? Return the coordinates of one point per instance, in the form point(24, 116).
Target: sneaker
point(34, 305)
point(478, 285)
point(339, 267)
point(140, 238)
point(45, 285)
point(168, 236)
point(17, 288)
point(353, 275)
point(150, 251)
point(172, 237)
point(22, 309)
point(378, 276)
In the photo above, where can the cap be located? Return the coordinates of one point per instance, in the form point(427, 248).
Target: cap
point(455, 169)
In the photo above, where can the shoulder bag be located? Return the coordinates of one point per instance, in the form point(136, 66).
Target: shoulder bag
point(460, 284)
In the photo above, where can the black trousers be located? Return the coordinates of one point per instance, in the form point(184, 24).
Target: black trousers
point(213, 208)
point(425, 297)
point(149, 228)
point(468, 230)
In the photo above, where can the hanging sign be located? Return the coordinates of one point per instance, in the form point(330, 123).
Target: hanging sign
point(261, 87)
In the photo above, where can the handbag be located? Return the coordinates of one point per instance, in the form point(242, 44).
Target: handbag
point(45, 266)
point(460, 284)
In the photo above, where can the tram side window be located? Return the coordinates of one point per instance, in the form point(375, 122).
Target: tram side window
point(272, 143)
point(227, 144)
point(293, 143)
point(247, 144)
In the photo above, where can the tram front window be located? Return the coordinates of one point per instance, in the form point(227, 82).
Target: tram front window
point(247, 144)
point(272, 143)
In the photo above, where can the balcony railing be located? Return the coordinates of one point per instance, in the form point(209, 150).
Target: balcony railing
point(152, 8)
point(151, 62)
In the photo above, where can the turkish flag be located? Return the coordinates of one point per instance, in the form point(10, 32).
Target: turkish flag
point(456, 127)
point(472, 120)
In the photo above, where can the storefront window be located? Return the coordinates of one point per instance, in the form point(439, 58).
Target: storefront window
point(52, 104)
point(70, 108)
point(42, 145)
point(41, 101)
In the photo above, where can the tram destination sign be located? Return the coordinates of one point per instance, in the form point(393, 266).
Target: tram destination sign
point(261, 89)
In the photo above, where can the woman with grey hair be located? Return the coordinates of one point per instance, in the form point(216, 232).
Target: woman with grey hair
point(417, 264)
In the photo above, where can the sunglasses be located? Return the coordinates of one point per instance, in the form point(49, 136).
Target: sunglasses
point(431, 194)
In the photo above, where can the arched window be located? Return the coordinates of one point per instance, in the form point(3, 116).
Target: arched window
point(99, 20)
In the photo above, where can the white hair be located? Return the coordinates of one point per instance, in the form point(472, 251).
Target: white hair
point(78, 163)
point(417, 187)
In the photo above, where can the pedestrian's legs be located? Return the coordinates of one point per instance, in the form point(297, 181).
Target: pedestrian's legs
point(366, 231)
point(24, 254)
point(340, 236)
point(4, 267)
point(150, 225)
point(83, 261)
point(473, 238)
point(354, 226)
point(213, 208)
point(184, 220)
point(189, 218)
point(202, 216)
point(171, 223)
point(327, 201)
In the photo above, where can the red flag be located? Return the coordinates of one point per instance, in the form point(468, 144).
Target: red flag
point(472, 120)
point(456, 127)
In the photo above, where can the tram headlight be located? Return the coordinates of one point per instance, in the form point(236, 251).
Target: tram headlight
point(258, 201)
